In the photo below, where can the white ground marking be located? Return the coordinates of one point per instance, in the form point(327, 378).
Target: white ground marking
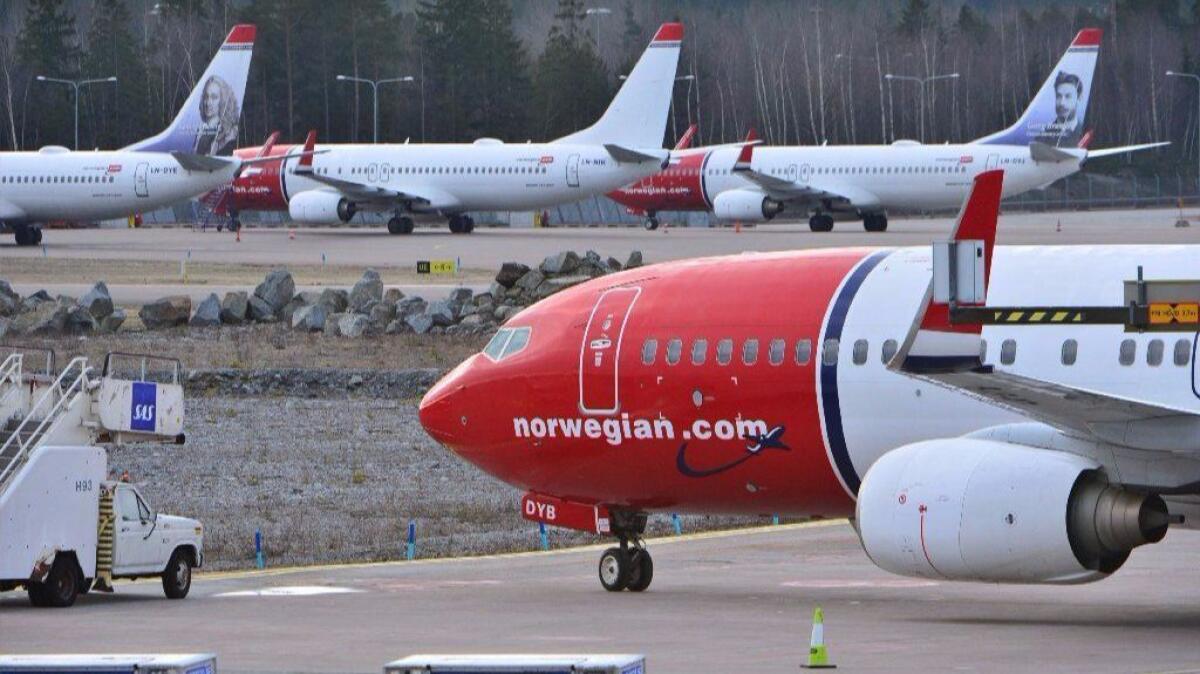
point(843, 584)
point(290, 591)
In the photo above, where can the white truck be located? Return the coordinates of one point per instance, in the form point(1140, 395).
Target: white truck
point(64, 526)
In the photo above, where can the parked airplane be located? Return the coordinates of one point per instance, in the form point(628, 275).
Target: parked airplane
point(864, 181)
point(55, 183)
point(448, 180)
point(829, 383)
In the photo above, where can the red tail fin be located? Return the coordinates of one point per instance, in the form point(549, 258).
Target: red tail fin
point(685, 140)
point(309, 143)
point(265, 150)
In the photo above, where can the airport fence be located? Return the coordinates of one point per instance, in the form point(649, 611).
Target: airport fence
point(1083, 191)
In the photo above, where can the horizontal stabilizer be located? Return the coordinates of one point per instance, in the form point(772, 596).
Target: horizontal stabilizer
point(1042, 152)
point(200, 162)
point(624, 155)
point(1109, 151)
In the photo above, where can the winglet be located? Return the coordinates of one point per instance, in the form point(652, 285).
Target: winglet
point(265, 150)
point(309, 143)
point(745, 158)
point(686, 139)
point(1086, 140)
point(933, 343)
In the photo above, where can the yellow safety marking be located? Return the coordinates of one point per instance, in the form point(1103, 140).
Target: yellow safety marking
point(665, 540)
point(1015, 316)
point(1184, 312)
point(1060, 315)
point(1037, 316)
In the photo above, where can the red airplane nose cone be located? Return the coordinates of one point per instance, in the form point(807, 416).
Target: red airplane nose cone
point(440, 410)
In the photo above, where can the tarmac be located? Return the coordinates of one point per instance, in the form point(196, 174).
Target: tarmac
point(720, 602)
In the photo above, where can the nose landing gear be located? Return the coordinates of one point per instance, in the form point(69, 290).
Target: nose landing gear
point(629, 566)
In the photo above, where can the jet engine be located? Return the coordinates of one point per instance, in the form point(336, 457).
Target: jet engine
point(319, 207)
point(983, 510)
point(746, 205)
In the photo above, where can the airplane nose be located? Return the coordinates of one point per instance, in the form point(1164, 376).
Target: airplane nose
point(440, 411)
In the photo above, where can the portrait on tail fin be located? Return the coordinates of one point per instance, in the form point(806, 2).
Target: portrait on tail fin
point(220, 111)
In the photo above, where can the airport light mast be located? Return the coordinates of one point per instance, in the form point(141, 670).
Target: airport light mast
point(598, 12)
point(75, 84)
point(921, 81)
point(375, 99)
point(1172, 73)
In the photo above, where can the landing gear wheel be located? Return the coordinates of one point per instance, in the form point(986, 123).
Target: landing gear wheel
point(61, 586)
point(651, 223)
point(821, 222)
point(641, 570)
point(177, 579)
point(468, 224)
point(875, 222)
point(394, 226)
point(615, 569)
point(37, 235)
point(456, 225)
point(23, 235)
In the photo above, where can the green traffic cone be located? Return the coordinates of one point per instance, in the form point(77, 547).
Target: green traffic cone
point(817, 657)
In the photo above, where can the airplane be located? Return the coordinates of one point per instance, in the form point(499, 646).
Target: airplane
point(1046, 144)
point(182, 161)
point(448, 180)
point(1004, 452)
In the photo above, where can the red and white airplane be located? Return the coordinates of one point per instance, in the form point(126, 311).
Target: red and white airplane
point(863, 181)
point(448, 180)
point(831, 383)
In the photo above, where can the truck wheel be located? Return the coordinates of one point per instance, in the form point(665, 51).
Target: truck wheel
point(37, 594)
point(61, 586)
point(177, 579)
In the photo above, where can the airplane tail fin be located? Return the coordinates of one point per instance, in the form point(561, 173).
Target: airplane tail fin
point(1057, 113)
point(685, 141)
point(637, 116)
point(208, 122)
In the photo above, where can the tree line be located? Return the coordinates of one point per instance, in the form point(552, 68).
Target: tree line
point(799, 72)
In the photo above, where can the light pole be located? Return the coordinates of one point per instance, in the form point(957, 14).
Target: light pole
point(598, 12)
point(921, 81)
point(1172, 73)
point(75, 84)
point(375, 98)
point(411, 78)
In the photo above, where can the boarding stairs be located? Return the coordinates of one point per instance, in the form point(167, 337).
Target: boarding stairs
point(80, 406)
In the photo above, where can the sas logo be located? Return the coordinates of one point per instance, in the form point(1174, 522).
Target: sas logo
point(114, 168)
point(143, 406)
point(547, 159)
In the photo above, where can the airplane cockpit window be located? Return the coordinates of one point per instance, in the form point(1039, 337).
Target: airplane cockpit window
point(649, 350)
point(507, 342)
point(674, 350)
point(1154, 353)
point(724, 351)
point(1128, 352)
point(1183, 352)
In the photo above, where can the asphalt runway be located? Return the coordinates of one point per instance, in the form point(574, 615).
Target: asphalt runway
point(731, 602)
point(487, 248)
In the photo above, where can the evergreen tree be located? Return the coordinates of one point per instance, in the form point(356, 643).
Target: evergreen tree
point(114, 115)
point(972, 26)
point(571, 87)
point(914, 18)
point(47, 46)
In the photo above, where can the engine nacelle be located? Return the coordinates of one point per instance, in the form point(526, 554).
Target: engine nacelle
point(971, 509)
point(746, 205)
point(319, 207)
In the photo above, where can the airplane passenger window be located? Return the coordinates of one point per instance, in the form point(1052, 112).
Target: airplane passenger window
point(649, 350)
point(699, 351)
point(1128, 352)
point(860, 351)
point(775, 352)
point(829, 352)
point(1154, 353)
point(1008, 352)
point(724, 351)
point(1070, 350)
point(803, 351)
point(1183, 352)
point(674, 349)
point(889, 350)
point(750, 352)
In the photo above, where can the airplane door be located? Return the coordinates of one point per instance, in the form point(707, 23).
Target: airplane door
point(373, 172)
point(573, 171)
point(385, 172)
point(993, 161)
point(140, 188)
point(601, 349)
point(791, 173)
point(1196, 365)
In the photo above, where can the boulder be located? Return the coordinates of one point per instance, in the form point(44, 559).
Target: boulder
point(460, 296)
point(34, 301)
point(309, 297)
point(510, 273)
point(97, 301)
point(166, 312)
point(475, 321)
point(277, 289)
point(553, 285)
point(335, 300)
point(260, 310)
point(635, 260)
point(10, 301)
point(562, 263)
point(419, 323)
point(331, 323)
point(79, 321)
point(440, 312)
point(4, 325)
point(613, 264)
point(310, 318)
point(394, 328)
point(234, 307)
point(47, 318)
point(496, 290)
point(381, 314)
point(392, 295)
point(285, 314)
point(410, 306)
point(112, 322)
point(352, 325)
point(504, 313)
point(368, 289)
point(529, 282)
point(208, 313)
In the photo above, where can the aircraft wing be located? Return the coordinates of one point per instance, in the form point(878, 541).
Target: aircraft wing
point(1109, 151)
point(949, 355)
point(791, 191)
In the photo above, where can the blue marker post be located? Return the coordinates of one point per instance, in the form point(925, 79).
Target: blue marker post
point(322, 260)
point(542, 533)
point(411, 548)
point(44, 250)
point(258, 553)
point(775, 519)
point(677, 523)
